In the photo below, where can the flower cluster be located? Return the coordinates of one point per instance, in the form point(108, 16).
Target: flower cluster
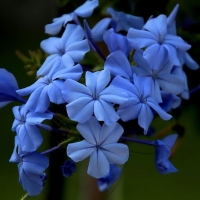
point(141, 78)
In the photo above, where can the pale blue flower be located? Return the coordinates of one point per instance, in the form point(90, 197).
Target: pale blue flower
point(85, 10)
point(158, 43)
point(64, 51)
point(95, 98)
point(31, 168)
point(140, 103)
point(101, 145)
point(25, 125)
point(162, 154)
point(48, 88)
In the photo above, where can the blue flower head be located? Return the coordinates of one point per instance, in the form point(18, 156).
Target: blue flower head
point(95, 98)
point(68, 168)
point(162, 154)
point(140, 103)
point(119, 21)
point(105, 182)
point(101, 145)
point(48, 88)
point(158, 43)
point(26, 125)
point(64, 51)
point(31, 168)
point(8, 87)
point(85, 10)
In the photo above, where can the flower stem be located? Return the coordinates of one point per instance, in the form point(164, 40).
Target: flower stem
point(151, 143)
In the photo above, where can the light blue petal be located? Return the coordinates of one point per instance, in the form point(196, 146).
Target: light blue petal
point(90, 130)
point(81, 109)
point(86, 9)
point(152, 103)
point(171, 83)
point(190, 62)
point(51, 62)
point(35, 163)
point(157, 26)
point(130, 110)
point(145, 117)
point(177, 42)
point(172, 16)
point(155, 51)
point(118, 64)
point(78, 151)
point(51, 45)
point(100, 28)
point(110, 134)
point(37, 118)
point(116, 153)
point(172, 54)
point(139, 38)
point(73, 90)
point(104, 111)
point(54, 91)
point(77, 50)
point(98, 165)
point(114, 95)
point(30, 137)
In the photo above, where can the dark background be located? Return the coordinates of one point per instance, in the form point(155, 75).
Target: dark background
point(22, 28)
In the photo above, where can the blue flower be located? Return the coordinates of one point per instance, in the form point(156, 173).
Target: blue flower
point(158, 43)
point(31, 168)
point(8, 87)
point(140, 103)
point(48, 88)
point(64, 51)
point(101, 145)
point(25, 124)
point(120, 21)
point(105, 182)
point(160, 77)
point(68, 168)
point(162, 154)
point(85, 10)
point(95, 98)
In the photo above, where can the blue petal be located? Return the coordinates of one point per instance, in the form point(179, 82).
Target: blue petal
point(104, 111)
point(130, 109)
point(30, 137)
point(100, 28)
point(157, 26)
point(77, 50)
point(110, 134)
point(86, 9)
point(155, 51)
point(37, 118)
point(153, 104)
point(145, 117)
point(116, 153)
point(90, 130)
point(78, 151)
point(51, 45)
point(55, 27)
point(81, 109)
point(116, 41)
point(98, 165)
point(118, 64)
point(73, 90)
point(139, 38)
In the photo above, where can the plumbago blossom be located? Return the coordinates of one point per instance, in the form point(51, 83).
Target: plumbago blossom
point(130, 87)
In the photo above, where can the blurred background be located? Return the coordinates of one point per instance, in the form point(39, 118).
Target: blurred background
point(22, 28)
